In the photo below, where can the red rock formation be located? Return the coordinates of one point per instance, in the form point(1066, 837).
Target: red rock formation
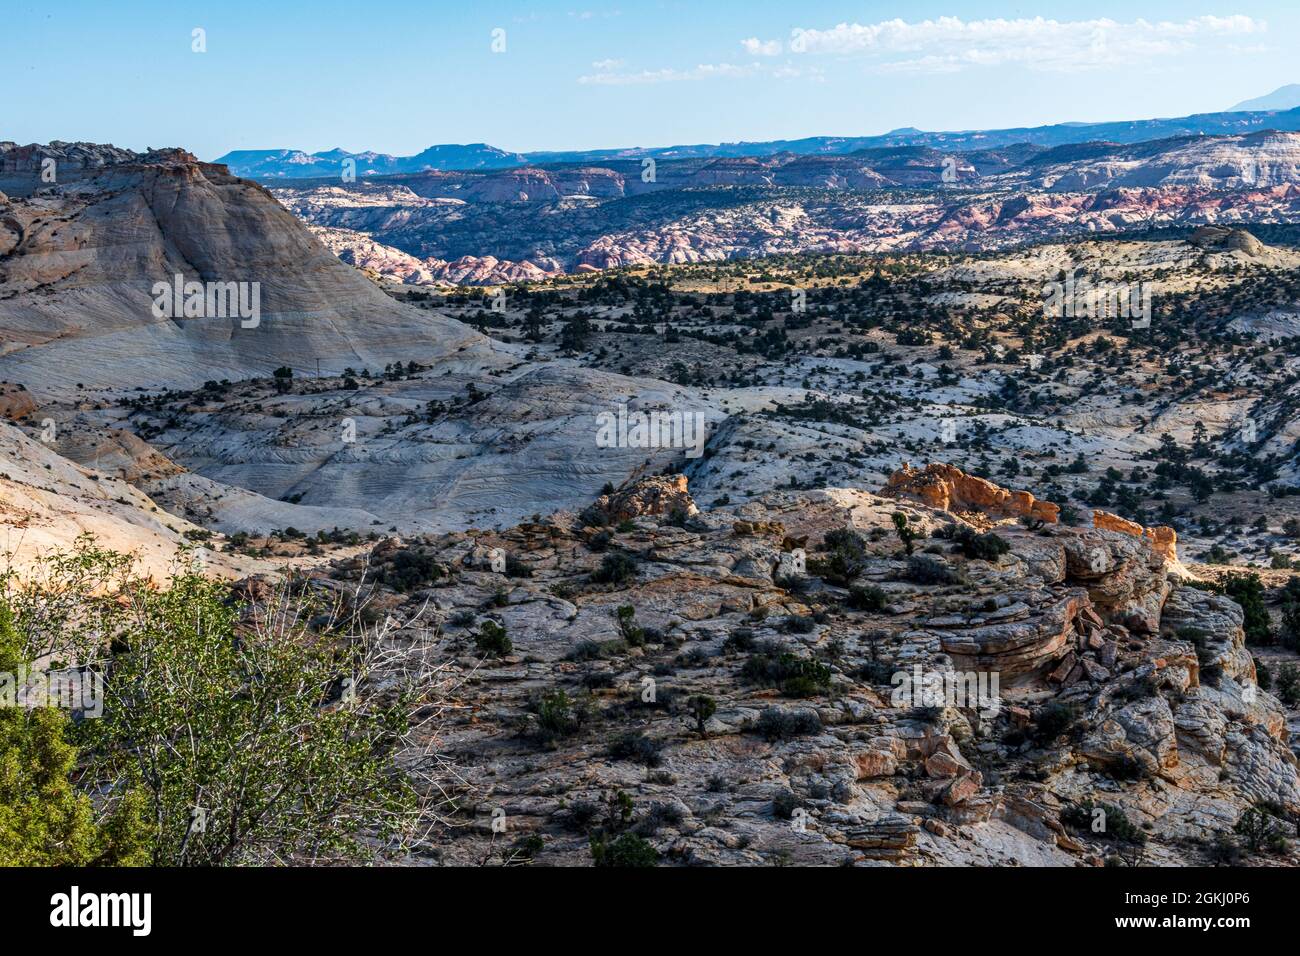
point(1164, 540)
point(950, 489)
point(657, 495)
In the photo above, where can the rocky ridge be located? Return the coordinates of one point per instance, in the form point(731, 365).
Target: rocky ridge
point(512, 224)
point(730, 708)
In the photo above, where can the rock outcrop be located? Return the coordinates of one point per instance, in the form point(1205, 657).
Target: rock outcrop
point(655, 497)
point(951, 720)
point(1164, 540)
point(948, 488)
point(78, 307)
point(820, 203)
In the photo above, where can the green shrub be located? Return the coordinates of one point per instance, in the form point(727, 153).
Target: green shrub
point(288, 742)
point(784, 804)
point(845, 557)
point(615, 568)
point(702, 707)
point(493, 640)
point(1288, 685)
point(632, 634)
point(410, 569)
point(741, 639)
point(870, 598)
point(1116, 824)
point(796, 676)
point(1054, 720)
point(983, 547)
point(906, 534)
point(557, 716)
point(1248, 591)
point(799, 624)
point(44, 820)
point(637, 748)
point(926, 569)
point(777, 723)
point(627, 850)
point(1261, 830)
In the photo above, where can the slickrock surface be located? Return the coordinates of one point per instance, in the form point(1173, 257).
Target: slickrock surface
point(46, 502)
point(1120, 690)
point(79, 259)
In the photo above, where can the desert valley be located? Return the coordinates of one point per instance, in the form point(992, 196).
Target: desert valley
point(919, 500)
point(689, 650)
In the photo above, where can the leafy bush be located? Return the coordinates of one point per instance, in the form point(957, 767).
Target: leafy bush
point(784, 804)
point(638, 748)
point(409, 569)
point(777, 723)
point(741, 639)
point(557, 716)
point(1115, 823)
point(702, 707)
point(634, 636)
point(870, 598)
point(845, 557)
point(1054, 720)
point(796, 676)
point(983, 547)
point(1261, 830)
point(615, 568)
point(492, 639)
point(906, 534)
point(627, 850)
point(1288, 685)
point(1248, 591)
point(926, 569)
point(288, 742)
point(44, 820)
point(799, 624)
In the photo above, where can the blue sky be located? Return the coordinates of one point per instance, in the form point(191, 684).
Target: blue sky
point(399, 76)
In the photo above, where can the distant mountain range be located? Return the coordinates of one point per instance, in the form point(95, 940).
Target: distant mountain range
point(484, 227)
point(1278, 110)
point(1282, 98)
point(296, 164)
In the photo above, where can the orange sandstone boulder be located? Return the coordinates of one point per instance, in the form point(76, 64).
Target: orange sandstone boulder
point(656, 496)
point(948, 488)
point(1164, 540)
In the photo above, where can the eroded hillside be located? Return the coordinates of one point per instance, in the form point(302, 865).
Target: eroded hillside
point(748, 685)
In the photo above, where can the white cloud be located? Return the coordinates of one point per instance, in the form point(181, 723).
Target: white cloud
point(605, 66)
point(756, 47)
point(704, 71)
point(949, 44)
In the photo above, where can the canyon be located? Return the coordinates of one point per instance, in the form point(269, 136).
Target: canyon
point(909, 462)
